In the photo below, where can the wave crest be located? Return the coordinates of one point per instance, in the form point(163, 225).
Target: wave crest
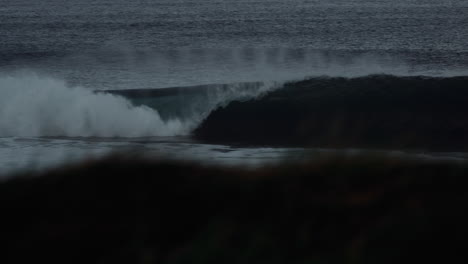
point(34, 106)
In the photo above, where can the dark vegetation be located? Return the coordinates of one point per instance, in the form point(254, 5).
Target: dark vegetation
point(330, 210)
point(378, 111)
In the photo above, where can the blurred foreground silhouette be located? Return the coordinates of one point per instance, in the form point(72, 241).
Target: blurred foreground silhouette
point(333, 209)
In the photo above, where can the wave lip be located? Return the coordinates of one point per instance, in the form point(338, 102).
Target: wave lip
point(376, 111)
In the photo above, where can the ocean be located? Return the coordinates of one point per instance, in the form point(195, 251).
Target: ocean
point(230, 82)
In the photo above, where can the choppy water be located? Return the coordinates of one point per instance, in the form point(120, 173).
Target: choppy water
point(53, 53)
point(26, 154)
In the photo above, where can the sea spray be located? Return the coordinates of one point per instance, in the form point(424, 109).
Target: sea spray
point(40, 106)
point(199, 107)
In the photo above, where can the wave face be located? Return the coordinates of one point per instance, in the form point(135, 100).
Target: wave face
point(379, 111)
point(40, 106)
point(194, 103)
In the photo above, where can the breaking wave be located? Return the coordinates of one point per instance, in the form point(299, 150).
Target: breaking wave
point(370, 111)
point(41, 106)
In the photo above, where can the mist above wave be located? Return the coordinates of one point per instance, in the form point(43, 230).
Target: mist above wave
point(119, 66)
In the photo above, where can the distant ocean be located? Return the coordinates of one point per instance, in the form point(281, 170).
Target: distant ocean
point(250, 82)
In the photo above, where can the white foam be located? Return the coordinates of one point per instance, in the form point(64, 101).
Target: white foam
point(40, 106)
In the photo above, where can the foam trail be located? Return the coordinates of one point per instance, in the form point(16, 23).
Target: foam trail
point(37, 106)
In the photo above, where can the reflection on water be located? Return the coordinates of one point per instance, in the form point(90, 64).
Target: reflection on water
point(19, 154)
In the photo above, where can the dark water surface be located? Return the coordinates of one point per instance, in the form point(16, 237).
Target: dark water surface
point(140, 44)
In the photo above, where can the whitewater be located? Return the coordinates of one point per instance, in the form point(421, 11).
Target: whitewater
point(33, 106)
